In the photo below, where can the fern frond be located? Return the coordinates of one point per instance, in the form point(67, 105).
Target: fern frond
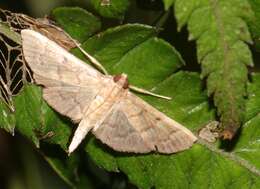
point(221, 34)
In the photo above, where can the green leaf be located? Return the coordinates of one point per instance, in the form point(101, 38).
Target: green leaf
point(5, 30)
point(105, 160)
point(168, 4)
point(253, 97)
point(7, 119)
point(189, 107)
point(77, 21)
point(28, 113)
point(110, 8)
point(204, 165)
point(248, 146)
point(32, 117)
point(36, 120)
point(220, 31)
point(134, 45)
point(65, 166)
point(254, 23)
point(56, 130)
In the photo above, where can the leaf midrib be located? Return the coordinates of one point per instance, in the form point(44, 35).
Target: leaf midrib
point(231, 156)
point(226, 71)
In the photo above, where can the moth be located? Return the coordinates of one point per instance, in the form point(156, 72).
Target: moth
point(100, 103)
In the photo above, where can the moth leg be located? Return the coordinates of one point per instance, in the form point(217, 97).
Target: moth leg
point(94, 61)
point(80, 133)
point(143, 91)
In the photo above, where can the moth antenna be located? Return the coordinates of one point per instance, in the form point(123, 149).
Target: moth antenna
point(143, 91)
point(94, 61)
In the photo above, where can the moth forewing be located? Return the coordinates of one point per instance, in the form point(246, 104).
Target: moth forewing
point(119, 118)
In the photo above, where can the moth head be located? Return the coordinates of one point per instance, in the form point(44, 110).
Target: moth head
point(122, 80)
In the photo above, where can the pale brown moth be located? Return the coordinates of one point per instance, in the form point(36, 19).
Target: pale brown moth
point(100, 103)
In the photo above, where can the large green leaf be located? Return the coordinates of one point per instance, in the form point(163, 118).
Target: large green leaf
point(204, 166)
point(254, 23)
point(221, 32)
point(65, 166)
point(190, 107)
point(77, 21)
point(110, 8)
point(248, 145)
point(36, 120)
point(134, 46)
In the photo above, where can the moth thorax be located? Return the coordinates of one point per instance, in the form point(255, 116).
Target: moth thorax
point(122, 80)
